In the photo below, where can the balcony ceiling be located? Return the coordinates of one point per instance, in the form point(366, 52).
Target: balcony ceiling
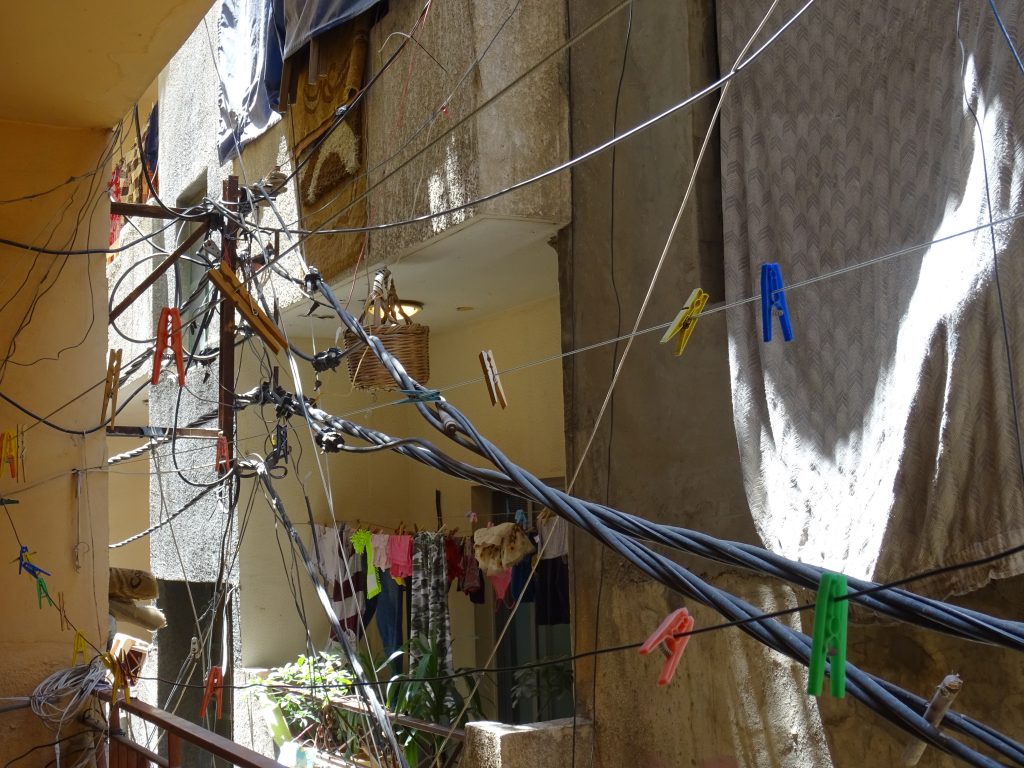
point(83, 64)
point(488, 265)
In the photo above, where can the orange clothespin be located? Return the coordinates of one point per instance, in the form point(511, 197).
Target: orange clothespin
point(112, 385)
point(686, 320)
point(214, 687)
point(223, 456)
point(80, 649)
point(494, 389)
point(10, 452)
point(677, 622)
point(168, 334)
point(119, 683)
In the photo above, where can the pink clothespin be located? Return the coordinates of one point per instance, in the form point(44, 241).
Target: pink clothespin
point(678, 622)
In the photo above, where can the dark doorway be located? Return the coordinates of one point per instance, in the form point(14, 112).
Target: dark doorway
point(179, 666)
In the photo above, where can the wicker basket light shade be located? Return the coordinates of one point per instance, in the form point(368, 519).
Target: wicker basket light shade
point(384, 318)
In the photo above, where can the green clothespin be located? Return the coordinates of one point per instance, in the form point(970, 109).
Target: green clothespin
point(42, 591)
point(830, 614)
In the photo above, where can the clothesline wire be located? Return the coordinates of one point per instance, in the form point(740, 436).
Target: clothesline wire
point(710, 310)
point(554, 170)
point(409, 679)
point(618, 530)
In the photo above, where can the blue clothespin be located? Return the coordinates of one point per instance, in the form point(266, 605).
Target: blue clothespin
point(829, 638)
point(9, 501)
point(521, 519)
point(26, 565)
point(773, 300)
point(420, 396)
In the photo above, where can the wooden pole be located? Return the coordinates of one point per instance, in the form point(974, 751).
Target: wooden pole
point(226, 395)
point(162, 267)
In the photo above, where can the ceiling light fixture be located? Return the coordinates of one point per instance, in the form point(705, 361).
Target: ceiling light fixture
point(410, 307)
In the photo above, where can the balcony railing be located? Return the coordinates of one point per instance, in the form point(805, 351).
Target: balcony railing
point(125, 753)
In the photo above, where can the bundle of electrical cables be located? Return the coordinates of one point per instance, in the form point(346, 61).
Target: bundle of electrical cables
point(630, 535)
point(63, 697)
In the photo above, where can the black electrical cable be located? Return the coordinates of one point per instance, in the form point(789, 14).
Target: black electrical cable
point(366, 693)
point(80, 251)
point(342, 111)
point(440, 109)
point(509, 477)
point(175, 215)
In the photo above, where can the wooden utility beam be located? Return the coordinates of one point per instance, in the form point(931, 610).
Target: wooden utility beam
point(141, 211)
point(231, 288)
point(162, 267)
point(161, 432)
point(226, 362)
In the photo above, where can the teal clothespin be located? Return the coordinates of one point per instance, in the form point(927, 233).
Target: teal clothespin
point(9, 501)
point(42, 591)
point(420, 396)
point(830, 614)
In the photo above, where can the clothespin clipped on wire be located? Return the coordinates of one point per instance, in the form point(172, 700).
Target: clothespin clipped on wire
point(773, 301)
point(223, 456)
point(119, 682)
point(231, 288)
point(80, 649)
point(829, 637)
point(168, 334)
point(10, 451)
point(112, 385)
point(420, 396)
point(42, 591)
point(214, 688)
point(686, 320)
point(64, 623)
point(494, 388)
point(25, 564)
point(665, 636)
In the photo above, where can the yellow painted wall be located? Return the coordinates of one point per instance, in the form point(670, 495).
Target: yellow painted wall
point(386, 488)
point(69, 324)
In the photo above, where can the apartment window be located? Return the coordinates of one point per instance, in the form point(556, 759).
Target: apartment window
point(189, 275)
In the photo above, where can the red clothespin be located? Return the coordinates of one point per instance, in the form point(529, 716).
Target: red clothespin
point(223, 455)
point(214, 687)
point(168, 334)
point(677, 623)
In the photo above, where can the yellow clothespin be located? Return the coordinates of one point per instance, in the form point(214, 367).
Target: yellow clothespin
point(21, 453)
point(119, 683)
point(494, 389)
point(112, 385)
point(686, 320)
point(10, 452)
point(79, 649)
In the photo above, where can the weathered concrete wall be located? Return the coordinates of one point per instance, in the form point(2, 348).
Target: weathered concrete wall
point(52, 355)
point(555, 742)
point(666, 450)
point(521, 133)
